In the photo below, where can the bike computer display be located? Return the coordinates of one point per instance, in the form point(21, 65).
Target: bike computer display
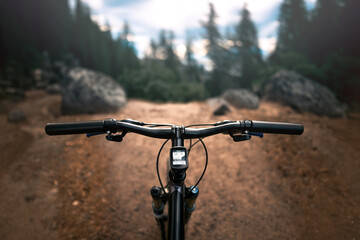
point(178, 158)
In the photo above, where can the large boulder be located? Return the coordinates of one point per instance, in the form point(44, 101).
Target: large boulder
point(91, 92)
point(241, 98)
point(303, 94)
point(219, 106)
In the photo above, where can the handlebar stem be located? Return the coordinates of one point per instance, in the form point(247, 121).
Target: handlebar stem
point(178, 138)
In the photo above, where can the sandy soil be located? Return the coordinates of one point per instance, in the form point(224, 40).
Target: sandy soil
point(278, 187)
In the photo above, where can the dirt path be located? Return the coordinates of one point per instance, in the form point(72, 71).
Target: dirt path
point(279, 187)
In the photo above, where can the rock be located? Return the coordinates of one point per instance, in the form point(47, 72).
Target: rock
point(220, 106)
point(61, 68)
point(303, 94)
point(221, 110)
point(44, 77)
point(241, 98)
point(88, 91)
point(15, 94)
point(16, 115)
point(54, 89)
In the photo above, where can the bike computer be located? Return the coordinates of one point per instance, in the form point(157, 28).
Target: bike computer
point(178, 158)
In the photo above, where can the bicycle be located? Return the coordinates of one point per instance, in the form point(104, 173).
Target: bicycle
point(180, 199)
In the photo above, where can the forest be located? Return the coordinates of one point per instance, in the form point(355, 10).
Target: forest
point(321, 44)
point(274, 186)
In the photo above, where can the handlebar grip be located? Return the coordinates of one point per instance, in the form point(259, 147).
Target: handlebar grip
point(75, 127)
point(277, 127)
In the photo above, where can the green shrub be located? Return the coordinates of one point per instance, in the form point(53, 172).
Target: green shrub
point(156, 82)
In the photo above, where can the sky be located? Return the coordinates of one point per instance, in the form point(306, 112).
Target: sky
point(148, 17)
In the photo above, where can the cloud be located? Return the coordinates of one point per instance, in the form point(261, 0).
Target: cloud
point(267, 45)
point(147, 17)
point(269, 29)
point(263, 11)
point(94, 4)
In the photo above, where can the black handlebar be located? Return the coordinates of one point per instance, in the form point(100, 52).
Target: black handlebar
point(277, 127)
point(75, 127)
point(113, 126)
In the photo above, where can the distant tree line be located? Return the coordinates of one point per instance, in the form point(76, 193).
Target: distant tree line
point(322, 44)
point(163, 76)
point(29, 28)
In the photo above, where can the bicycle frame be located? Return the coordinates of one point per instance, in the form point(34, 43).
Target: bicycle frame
point(175, 195)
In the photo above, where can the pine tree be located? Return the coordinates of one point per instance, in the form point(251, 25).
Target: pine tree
point(164, 50)
point(216, 83)
point(171, 61)
point(191, 68)
point(325, 30)
point(153, 47)
point(248, 49)
point(246, 32)
point(212, 35)
point(348, 22)
point(29, 28)
point(127, 52)
point(292, 29)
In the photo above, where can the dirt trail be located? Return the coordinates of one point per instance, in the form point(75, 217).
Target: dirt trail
point(278, 187)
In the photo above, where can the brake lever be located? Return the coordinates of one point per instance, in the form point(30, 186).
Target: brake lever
point(116, 138)
point(245, 136)
point(241, 137)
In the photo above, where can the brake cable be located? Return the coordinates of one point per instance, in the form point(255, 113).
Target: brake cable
point(157, 165)
point(191, 146)
point(206, 163)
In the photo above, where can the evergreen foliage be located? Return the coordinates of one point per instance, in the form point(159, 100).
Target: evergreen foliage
point(221, 58)
point(192, 68)
point(212, 35)
point(293, 24)
point(29, 28)
point(162, 76)
point(236, 59)
point(322, 44)
point(324, 30)
point(248, 47)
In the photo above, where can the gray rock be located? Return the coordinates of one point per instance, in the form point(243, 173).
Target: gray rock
point(91, 92)
point(43, 77)
point(220, 106)
point(221, 110)
point(241, 98)
point(61, 68)
point(16, 116)
point(54, 89)
point(303, 94)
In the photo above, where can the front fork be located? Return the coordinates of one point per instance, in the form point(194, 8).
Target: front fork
point(160, 198)
point(191, 195)
point(158, 205)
